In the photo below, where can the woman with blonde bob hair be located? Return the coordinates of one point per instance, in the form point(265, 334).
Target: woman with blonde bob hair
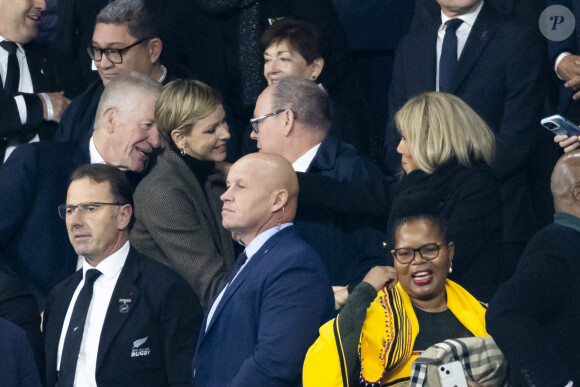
point(177, 208)
point(438, 127)
point(447, 149)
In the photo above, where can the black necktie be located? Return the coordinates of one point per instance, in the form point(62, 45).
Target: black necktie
point(13, 70)
point(448, 60)
point(74, 333)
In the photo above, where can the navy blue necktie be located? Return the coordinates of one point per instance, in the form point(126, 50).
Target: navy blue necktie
point(13, 70)
point(448, 60)
point(242, 258)
point(74, 333)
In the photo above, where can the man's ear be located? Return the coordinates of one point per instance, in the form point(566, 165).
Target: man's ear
point(124, 216)
point(154, 47)
point(289, 121)
point(576, 193)
point(109, 119)
point(280, 200)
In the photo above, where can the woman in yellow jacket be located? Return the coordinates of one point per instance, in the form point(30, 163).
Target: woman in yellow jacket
point(376, 337)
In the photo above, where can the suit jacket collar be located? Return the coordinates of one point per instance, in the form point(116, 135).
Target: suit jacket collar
point(38, 67)
point(424, 53)
point(481, 33)
point(127, 293)
point(326, 156)
point(233, 287)
point(57, 315)
point(82, 154)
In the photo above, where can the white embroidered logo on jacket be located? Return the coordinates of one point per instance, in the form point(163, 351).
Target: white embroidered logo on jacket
point(136, 351)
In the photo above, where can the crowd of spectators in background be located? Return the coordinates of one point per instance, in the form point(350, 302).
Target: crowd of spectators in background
point(193, 191)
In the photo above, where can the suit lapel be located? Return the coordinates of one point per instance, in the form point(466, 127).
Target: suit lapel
point(237, 282)
point(125, 297)
point(36, 65)
point(326, 156)
point(422, 65)
point(481, 33)
point(57, 313)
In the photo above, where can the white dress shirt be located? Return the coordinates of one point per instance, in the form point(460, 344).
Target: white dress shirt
point(462, 34)
point(24, 86)
point(304, 161)
point(251, 249)
point(103, 288)
point(96, 157)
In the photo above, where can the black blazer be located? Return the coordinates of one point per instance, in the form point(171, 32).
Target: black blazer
point(162, 309)
point(501, 75)
point(45, 76)
point(534, 317)
point(348, 245)
point(33, 238)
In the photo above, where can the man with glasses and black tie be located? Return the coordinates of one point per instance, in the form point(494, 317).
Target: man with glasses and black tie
point(123, 319)
point(125, 39)
point(28, 111)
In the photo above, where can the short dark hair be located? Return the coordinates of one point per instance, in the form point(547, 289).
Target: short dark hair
point(139, 18)
point(302, 36)
point(412, 205)
point(121, 189)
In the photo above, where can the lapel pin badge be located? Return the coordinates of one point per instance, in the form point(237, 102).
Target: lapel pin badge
point(124, 307)
point(484, 35)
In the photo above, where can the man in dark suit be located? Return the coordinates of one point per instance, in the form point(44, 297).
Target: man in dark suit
point(495, 64)
point(124, 319)
point(125, 39)
point(260, 326)
point(293, 119)
point(17, 367)
point(564, 56)
point(24, 71)
point(534, 317)
point(33, 241)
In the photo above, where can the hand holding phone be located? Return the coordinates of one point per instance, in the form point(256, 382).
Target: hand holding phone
point(560, 125)
point(451, 375)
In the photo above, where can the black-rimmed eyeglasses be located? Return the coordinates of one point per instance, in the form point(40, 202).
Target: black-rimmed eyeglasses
point(406, 255)
point(255, 122)
point(114, 55)
point(89, 208)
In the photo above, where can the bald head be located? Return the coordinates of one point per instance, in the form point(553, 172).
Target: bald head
point(262, 193)
point(565, 184)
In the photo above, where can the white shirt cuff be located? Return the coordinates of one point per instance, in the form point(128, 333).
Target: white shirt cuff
point(570, 384)
point(21, 105)
point(558, 59)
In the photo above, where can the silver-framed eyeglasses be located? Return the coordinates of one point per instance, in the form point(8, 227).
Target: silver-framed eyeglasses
point(114, 55)
point(88, 208)
point(406, 255)
point(255, 122)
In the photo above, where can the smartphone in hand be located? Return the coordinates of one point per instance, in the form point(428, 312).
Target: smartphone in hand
point(560, 125)
point(451, 375)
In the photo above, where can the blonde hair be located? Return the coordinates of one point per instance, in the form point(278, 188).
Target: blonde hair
point(182, 104)
point(439, 127)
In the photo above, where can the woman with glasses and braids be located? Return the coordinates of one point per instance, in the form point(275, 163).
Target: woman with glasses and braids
point(397, 312)
point(177, 207)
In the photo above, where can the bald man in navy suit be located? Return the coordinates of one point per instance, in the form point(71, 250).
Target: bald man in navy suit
point(260, 326)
